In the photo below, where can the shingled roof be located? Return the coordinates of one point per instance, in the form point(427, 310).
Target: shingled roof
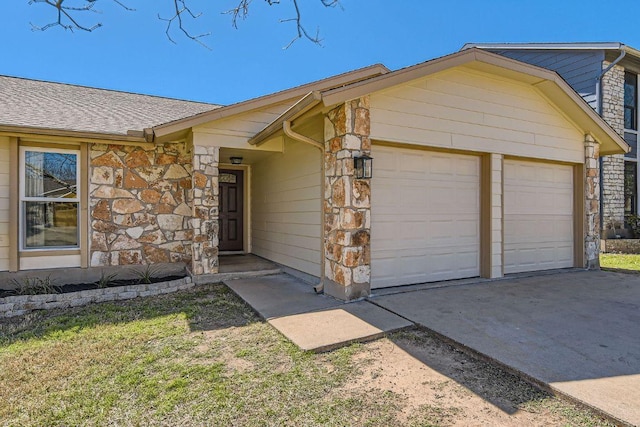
point(48, 105)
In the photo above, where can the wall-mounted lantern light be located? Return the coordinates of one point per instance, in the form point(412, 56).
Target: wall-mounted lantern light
point(362, 166)
point(236, 160)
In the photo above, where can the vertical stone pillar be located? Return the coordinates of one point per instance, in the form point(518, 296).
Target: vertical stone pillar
point(205, 209)
point(612, 105)
point(592, 203)
point(347, 202)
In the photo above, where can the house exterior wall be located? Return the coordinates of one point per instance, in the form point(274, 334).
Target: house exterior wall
point(579, 68)
point(613, 166)
point(464, 109)
point(140, 203)
point(468, 111)
point(4, 203)
point(285, 207)
point(233, 132)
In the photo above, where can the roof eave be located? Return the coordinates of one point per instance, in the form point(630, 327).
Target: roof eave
point(304, 105)
point(546, 46)
point(183, 125)
point(66, 133)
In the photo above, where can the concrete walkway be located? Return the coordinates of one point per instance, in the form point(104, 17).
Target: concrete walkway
point(577, 332)
point(313, 322)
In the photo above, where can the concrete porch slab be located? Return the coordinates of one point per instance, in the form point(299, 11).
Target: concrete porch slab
point(314, 322)
point(237, 266)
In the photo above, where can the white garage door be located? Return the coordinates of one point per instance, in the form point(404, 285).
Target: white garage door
point(538, 216)
point(425, 216)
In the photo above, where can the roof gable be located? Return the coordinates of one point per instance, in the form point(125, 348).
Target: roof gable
point(549, 83)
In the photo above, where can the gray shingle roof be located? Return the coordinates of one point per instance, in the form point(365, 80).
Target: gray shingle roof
point(41, 104)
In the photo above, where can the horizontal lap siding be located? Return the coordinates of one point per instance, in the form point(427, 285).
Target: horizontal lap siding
point(469, 110)
point(579, 69)
point(4, 203)
point(285, 207)
point(235, 131)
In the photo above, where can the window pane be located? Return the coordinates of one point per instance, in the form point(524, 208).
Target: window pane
point(632, 140)
point(50, 174)
point(50, 224)
point(630, 187)
point(630, 101)
point(629, 118)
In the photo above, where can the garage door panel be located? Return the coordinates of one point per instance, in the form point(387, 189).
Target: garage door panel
point(538, 216)
point(425, 217)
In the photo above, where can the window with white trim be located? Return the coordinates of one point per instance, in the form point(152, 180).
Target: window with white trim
point(49, 198)
point(631, 137)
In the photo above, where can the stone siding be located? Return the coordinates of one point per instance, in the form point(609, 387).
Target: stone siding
point(592, 203)
point(140, 204)
point(22, 304)
point(613, 166)
point(347, 204)
point(205, 209)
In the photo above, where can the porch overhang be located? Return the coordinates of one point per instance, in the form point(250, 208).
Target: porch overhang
point(305, 104)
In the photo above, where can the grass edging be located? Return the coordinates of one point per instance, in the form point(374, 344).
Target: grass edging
point(18, 305)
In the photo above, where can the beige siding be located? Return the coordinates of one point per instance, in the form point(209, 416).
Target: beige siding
point(49, 261)
point(496, 215)
point(469, 110)
point(236, 130)
point(4, 203)
point(286, 209)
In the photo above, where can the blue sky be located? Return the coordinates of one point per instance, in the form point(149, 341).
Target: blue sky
point(131, 52)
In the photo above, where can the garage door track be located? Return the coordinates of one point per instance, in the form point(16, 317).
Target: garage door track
point(578, 331)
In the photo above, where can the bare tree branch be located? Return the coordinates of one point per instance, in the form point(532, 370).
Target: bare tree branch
point(64, 13)
point(180, 8)
point(67, 11)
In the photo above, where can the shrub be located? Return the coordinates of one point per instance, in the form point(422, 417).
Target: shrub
point(633, 222)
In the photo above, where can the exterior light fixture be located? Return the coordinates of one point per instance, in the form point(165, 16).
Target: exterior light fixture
point(236, 160)
point(362, 166)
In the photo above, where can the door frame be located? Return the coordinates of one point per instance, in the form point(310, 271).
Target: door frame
point(246, 214)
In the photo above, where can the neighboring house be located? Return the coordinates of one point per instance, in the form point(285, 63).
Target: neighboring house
point(483, 166)
point(606, 76)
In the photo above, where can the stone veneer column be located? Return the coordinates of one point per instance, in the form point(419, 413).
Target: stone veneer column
point(613, 166)
point(347, 204)
point(205, 209)
point(592, 203)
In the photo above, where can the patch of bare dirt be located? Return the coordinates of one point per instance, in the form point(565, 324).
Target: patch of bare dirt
point(438, 384)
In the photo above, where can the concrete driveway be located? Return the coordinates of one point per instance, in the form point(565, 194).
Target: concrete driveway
point(578, 331)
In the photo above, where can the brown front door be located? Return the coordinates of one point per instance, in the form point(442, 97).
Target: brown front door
point(231, 212)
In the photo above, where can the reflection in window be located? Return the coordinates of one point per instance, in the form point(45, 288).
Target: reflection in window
point(50, 224)
point(630, 187)
point(50, 200)
point(630, 101)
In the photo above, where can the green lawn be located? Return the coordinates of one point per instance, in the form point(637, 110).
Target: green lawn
point(621, 261)
point(201, 358)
